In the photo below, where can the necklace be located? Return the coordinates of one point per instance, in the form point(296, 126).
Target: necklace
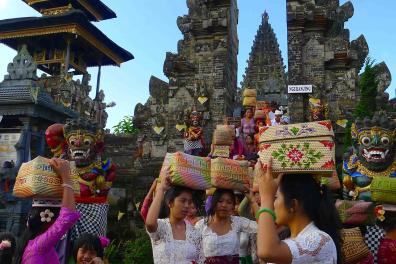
point(370, 173)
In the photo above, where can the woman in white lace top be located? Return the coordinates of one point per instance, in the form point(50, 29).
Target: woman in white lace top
point(220, 231)
point(173, 239)
point(307, 208)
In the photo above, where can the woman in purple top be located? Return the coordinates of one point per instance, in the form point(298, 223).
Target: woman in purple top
point(247, 123)
point(44, 228)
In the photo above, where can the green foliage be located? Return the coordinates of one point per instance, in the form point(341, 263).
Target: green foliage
point(368, 91)
point(137, 251)
point(113, 253)
point(125, 126)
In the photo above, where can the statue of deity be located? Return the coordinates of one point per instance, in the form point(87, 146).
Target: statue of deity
point(317, 109)
point(193, 137)
point(81, 141)
point(373, 142)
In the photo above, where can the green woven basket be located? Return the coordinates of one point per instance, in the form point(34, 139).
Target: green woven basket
point(383, 189)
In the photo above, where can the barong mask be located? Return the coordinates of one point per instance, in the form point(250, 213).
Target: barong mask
point(374, 142)
point(84, 141)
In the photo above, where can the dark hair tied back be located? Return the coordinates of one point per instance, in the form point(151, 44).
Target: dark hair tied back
point(316, 201)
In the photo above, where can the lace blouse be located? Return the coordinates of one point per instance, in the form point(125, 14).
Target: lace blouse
point(225, 245)
point(312, 245)
point(166, 249)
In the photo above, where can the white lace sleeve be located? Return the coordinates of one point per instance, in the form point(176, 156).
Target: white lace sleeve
point(312, 248)
point(161, 231)
point(242, 224)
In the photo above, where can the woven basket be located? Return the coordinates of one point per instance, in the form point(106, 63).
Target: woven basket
point(37, 179)
point(223, 135)
point(230, 174)
point(221, 151)
point(259, 114)
point(249, 92)
point(189, 171)
point(353, 248)
point(356, 212)
point(249, 101)
point(299, 148)
point(383, 190)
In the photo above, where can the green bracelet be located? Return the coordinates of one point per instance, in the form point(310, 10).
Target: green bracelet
point(266, 210)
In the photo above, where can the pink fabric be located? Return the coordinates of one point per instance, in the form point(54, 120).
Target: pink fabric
point(387, 251)
point(145, 207)
point(367, 260)
point(236, 148)
point(248, 127)
point(41, 250)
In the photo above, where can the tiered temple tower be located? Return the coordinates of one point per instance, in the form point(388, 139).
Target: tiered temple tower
point(62, 43)
point(265, 70)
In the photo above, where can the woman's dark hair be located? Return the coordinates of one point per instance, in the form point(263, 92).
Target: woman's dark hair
point(7, 254)
point(88, 242)
point(389, 222)
point(34, 228)
point(170, 197)
point(316, 201)
point(216, 198)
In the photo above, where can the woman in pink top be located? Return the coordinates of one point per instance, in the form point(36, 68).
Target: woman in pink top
point(44, 229)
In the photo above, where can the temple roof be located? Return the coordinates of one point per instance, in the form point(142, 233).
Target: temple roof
point(94, 9)
point(52, 31)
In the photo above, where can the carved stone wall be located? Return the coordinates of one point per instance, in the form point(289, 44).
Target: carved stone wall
point(265, 71)
point(320, 53)
point(202, 76)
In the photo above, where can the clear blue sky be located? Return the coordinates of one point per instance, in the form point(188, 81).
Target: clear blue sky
point(148, 29)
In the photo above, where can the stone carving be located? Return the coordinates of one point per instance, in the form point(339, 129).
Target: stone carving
point(202, 76)
point(22, 67)
point(321, 54)
point(99, 114)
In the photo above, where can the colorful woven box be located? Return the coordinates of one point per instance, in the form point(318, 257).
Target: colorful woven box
point(299, 148)
point(37, 179)
point(221, 151)
point(356, 212)
point(189, 171)
point(383, 190)
point(230, 174)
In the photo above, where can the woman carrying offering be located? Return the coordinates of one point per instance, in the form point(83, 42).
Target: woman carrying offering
point(173, 239)
point(306, 207)
point(220, 230)
point(44, 228)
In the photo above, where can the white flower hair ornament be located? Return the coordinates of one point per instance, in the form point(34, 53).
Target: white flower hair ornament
point(5, 244)
point(46, 216)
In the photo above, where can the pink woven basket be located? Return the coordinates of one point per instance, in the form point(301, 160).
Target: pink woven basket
point(230, 174)
point(187, 170)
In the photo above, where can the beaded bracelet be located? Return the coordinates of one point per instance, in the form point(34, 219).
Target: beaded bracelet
point(266, 210)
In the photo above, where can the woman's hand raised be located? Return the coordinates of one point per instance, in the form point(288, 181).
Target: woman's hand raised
point(267, 184)
point(61, 168)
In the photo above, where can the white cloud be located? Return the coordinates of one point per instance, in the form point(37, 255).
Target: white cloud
point(3, 4)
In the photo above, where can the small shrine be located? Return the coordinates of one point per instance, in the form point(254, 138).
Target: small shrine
point(62, 44)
